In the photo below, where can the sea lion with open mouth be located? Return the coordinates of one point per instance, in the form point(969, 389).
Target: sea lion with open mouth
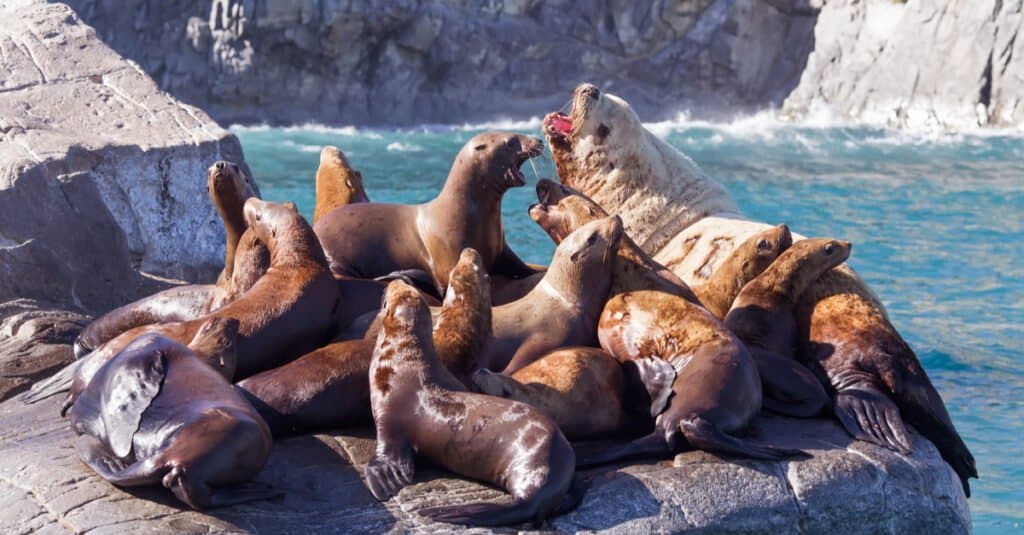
point(688, 222)
point(369, 240)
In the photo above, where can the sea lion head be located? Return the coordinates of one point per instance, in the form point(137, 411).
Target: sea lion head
point(334, 162)
point(464, 325)
point(761, 249)
point(826, 252)
point(216, 342)
point(588, 248)
point(226, 180)
point(281, 228)
point(562, 210)
point(403, 310)
point(497, 157)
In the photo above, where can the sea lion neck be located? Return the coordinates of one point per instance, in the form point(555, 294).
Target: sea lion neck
point(230, 207)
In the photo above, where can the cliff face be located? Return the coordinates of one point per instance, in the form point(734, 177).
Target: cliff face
point(386, 62)
point(937, 64)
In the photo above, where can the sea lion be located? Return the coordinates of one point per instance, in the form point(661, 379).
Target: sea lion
point(155, 413)
point(564, 308)
point(228, 187)
point(337, 183)
point(703, 383)
point(419, 408)
point(583, 389)
point(747, 261)
point(368, 240)
point(329, 387)
point(287, 313)
point(688, 223)
point(762, 316)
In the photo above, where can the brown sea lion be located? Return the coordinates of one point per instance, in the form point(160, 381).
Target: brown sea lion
point(702, 382)
point(329, 387)
point(229, 188)
point(337, 183)
point(564, 308)
point(369, 240)
point(287, 313)
point(688, 223)
point(762, 316)
point(156, 413)
point(421, 409)
point(747, 261)
point(583, 389)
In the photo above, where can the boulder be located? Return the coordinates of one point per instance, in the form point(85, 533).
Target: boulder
point(847, 486)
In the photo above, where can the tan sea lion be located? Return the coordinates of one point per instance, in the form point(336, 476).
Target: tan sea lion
point(228, 187)
point(337, 183)
point(564, 308)
point(703, 384)
point(747, 261)
point(329, 387)
point(287, 313)
point(369, 240)
point(156, 413)
point(421, 409)
point(583, 389)
point(688, 222)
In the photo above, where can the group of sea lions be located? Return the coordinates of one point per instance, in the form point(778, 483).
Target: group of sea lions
point(663, 315)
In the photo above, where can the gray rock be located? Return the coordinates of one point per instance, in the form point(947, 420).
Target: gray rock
point(848, 487)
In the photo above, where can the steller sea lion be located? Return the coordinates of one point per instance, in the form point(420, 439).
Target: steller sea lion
point(156, 413)
point(702, 382)
point(421, 409)
point(229, 188)
point(337, 183)
point(369, 240)
point(329, 387)
point(287, 313)
point(688, 223)
point(563, 309)
point(747, 261)
point(583, 389)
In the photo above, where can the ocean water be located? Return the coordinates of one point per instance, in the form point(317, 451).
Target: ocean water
point(937, 223)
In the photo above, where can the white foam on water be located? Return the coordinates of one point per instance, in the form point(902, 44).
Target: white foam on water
point(398, 146)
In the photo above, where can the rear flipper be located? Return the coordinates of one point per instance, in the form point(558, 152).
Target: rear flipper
point(573, 497)
point(483, 514)
point(389, 471)
point(198, 495)
point(417, 278)
point(789, 388)
point(652, 445)
point(52, 385)
point(869, 415)
point(702, 434)
point(99, 457)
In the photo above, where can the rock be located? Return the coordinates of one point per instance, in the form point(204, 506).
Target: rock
point(926, 64)
point(384, 62)
point(102, 185)
point(848, 487)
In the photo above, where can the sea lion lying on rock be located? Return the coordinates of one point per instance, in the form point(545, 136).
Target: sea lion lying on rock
point(421, 409)
point(688, 222)
point(228, 188)
point(156, 413)
point(371, 239)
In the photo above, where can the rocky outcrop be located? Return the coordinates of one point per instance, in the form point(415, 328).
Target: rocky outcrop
point(923, 64)
point(414, 61)
point(102, 185)
point(847, 487)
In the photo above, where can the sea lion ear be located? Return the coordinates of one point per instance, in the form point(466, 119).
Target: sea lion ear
point(291, 206)
point(602, 132)
point(128, 393)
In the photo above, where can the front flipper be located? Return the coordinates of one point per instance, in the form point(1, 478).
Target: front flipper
point(657, 376)
point(127, 393)
point(390, 470)
point(53, 385)
point(869, 415)
point(199, 495)
point(510, 265)
point(789, 388)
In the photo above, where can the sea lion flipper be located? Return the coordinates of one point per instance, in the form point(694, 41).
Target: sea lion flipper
point(99, 457)
point(652, 445)
point(869, 415)
point(702, 434)
point(789, 387)
point(53, 385)
point(482, 514)
point(510, 265)
point(389, 471)
point(657, 376)
point(130, 390)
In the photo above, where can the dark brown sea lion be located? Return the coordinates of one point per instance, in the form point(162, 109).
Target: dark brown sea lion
point(229, 188)
point(287, 313)
point(421, 409)
point(702, 382)
point(156, 413)
point(329, 387)
point(337, 183)
point(762, 316)
point(688, 222)
point(583, 389)
point(747, 261)
point(563, 309)
point(369, 240)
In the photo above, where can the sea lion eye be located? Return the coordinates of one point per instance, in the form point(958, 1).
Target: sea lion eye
point(480, 147)
point(829, 248)
point(592, 239)
point(764, 245)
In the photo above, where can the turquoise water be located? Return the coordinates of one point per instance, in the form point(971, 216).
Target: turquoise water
point(937, 225)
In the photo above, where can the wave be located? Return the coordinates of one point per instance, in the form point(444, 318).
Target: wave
point(316, 128)
point(398, 146)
